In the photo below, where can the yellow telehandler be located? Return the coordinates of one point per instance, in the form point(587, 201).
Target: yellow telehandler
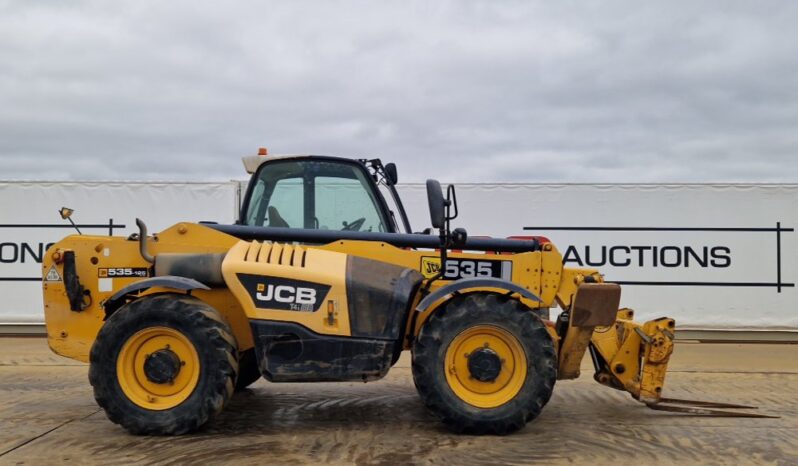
point(322, 279)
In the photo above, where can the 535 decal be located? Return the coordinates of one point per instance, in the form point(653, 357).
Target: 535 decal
point(123, 272)
point(467, 268)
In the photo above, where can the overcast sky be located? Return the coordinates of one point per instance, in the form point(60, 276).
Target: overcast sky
point(462, 91)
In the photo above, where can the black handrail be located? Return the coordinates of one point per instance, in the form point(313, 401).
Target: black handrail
point(402, 240)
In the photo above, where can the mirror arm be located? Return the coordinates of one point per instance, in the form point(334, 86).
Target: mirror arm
point(445, 237)
point(443, 234)
point(451, 199)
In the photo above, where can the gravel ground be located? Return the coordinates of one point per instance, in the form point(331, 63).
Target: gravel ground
point(48, 416)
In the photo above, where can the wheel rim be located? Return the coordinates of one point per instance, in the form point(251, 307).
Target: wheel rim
point(135, 366)
point(479, 344)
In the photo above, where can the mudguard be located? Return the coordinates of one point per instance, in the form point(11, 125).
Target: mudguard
point(169, 281)
point(471, 283)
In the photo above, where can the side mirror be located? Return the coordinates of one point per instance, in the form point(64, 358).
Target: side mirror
point(437, 204)
point(440, 212)
point(390, 173)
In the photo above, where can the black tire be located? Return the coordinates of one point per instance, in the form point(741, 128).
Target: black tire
point(207, 332)
point(248, 372)
point(484, 309)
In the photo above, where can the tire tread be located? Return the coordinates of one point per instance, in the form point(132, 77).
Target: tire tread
point(217, 345)
point(474, 309)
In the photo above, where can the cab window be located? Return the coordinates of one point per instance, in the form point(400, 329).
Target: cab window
point(315, 194)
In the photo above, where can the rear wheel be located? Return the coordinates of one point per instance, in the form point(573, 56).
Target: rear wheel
point(163, 365)
point(484, 364)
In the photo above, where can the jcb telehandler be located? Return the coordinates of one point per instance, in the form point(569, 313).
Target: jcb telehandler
point(317, 281)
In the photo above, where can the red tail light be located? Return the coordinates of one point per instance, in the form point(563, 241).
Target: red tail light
point(541, 239)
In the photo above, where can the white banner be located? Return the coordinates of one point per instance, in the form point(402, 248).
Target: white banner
point(712, 256)
point(29, 223)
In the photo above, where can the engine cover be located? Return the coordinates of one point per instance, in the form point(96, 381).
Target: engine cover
point(320, 315)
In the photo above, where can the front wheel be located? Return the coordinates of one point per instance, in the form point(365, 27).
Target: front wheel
point(163, 365)
point(484, 364)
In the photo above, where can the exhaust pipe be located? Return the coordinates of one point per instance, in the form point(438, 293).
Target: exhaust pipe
point(143, 241)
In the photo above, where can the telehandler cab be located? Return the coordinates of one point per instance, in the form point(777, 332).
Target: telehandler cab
point(321, 279)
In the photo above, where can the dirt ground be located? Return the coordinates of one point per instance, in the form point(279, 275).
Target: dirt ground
point(48, 416)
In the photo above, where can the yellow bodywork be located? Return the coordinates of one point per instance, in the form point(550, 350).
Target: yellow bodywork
point(298, 262)
point(527, 270)
point(71, 333)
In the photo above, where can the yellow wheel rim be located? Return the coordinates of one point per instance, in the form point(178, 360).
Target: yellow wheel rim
point(133, 379)
point(510, 379)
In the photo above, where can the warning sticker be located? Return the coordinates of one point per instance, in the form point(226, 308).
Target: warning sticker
point(52, 275)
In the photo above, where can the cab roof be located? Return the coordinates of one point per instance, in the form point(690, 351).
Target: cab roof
point(253, 162)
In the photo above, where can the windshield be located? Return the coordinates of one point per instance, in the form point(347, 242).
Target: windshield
point(315, 194)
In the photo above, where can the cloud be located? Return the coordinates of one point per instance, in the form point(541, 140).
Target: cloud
point(462, 91)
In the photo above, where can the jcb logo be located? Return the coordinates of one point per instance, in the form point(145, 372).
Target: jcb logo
point(430, 266)
point(286, 294)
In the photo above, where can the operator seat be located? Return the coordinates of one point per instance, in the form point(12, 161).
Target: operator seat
point(275, 220)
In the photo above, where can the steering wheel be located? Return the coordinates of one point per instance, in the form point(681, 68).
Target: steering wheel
point(354, 226)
